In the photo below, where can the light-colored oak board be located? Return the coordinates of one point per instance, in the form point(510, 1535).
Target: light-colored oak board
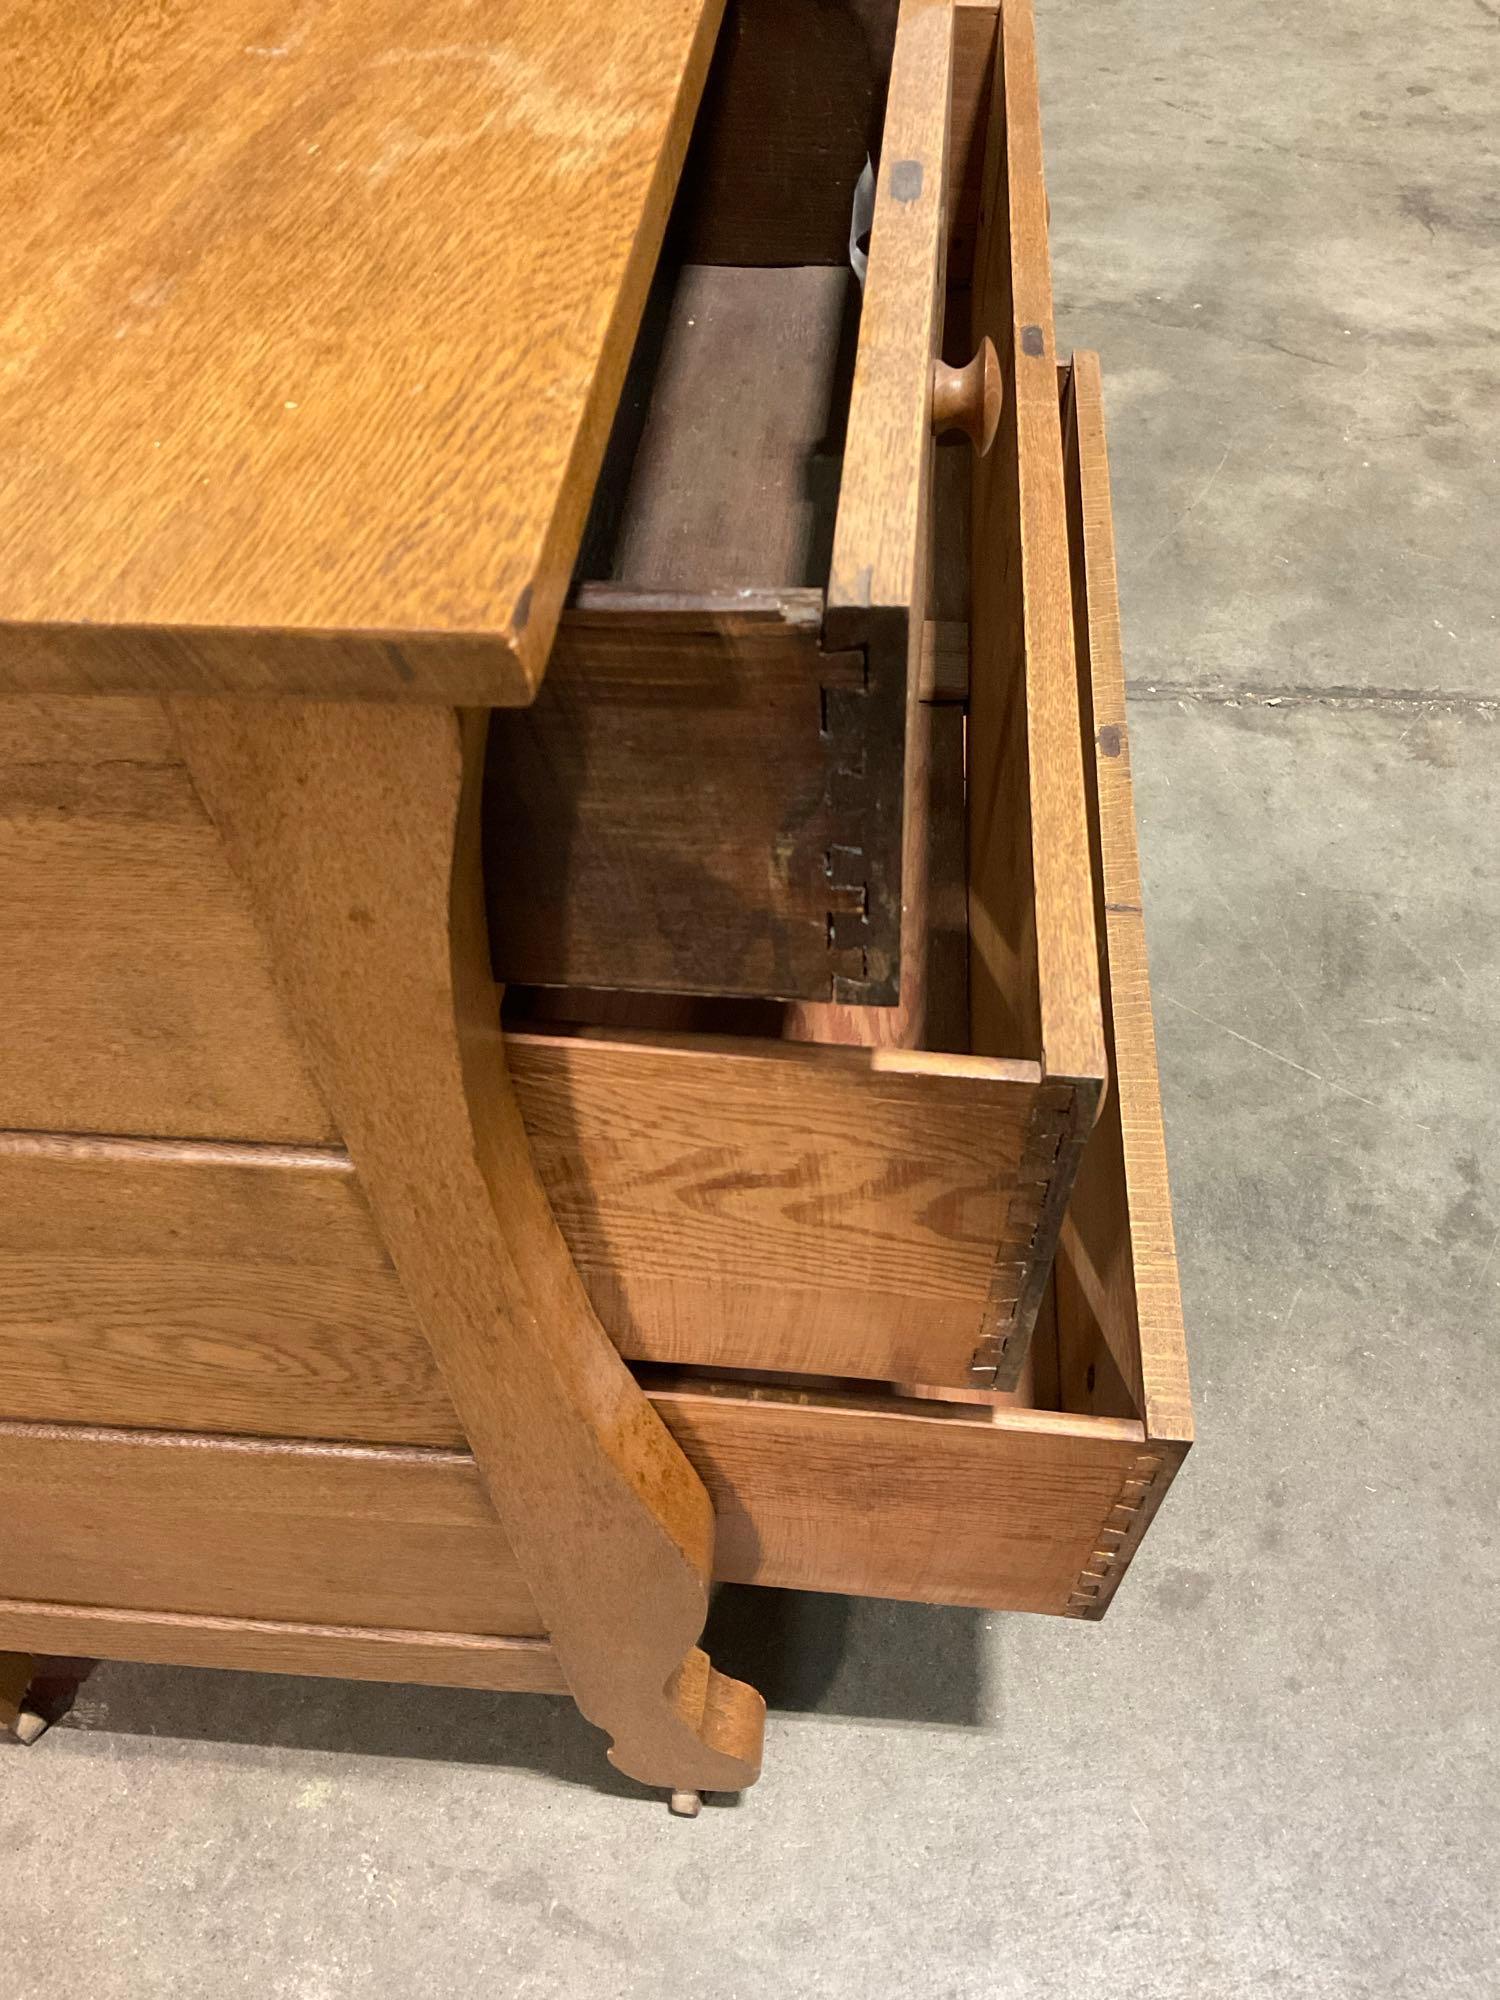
point(1034, 959)
point(236, 1288)
point(762, 1206)
point(335, 1535)
point(260, 1645)
point(316, 322)
point(162, 1198)
point(878, 549)
point(877, 588)
point(1118, 1250)
point(965, 1508)
point(942, 1504)
point(138, 995)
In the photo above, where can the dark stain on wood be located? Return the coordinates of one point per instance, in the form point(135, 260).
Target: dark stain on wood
point(906, 180)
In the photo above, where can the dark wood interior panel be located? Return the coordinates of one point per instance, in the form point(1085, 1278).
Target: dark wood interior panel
point(695, 793)
point(793, 106)
point(723, 469)
point(791, 110)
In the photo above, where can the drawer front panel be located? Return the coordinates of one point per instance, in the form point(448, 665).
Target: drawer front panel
point(792, 1211)
point(889, 1502)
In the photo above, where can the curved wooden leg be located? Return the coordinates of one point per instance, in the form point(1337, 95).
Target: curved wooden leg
point(354, 829)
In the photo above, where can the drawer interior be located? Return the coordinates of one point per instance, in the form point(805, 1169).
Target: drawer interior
point(710, 785)
point(724, 464)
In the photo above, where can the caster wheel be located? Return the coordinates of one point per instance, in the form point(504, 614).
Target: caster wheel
point(686, 1805)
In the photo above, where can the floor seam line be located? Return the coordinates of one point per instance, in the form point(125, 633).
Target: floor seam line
point(1292, 696)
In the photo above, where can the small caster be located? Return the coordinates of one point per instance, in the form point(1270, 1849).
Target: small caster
point(686, 1805)
point(36, 1693)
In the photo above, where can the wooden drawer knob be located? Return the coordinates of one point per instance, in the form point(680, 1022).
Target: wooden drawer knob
point(968, 399)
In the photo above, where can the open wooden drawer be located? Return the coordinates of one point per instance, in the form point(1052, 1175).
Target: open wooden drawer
point(709, 787)
point(240, 1290)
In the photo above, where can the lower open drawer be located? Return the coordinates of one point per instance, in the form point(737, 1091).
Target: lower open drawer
point(164, 1510)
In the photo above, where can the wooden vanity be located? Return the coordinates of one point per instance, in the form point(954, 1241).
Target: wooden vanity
point(469, 531)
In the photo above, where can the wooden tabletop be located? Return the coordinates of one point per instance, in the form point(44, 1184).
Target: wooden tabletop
point(315, 314)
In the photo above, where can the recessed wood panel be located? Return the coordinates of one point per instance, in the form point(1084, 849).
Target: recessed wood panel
point(300, 1533)
point(138, 993)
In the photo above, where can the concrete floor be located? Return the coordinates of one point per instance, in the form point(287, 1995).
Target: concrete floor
point(1272, 1770)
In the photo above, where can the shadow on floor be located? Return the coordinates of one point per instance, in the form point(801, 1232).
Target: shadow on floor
point(808, 1654)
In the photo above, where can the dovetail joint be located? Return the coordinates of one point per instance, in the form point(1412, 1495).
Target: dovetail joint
point(1018, 1242)
point(845, 865)
point(1116, 1540)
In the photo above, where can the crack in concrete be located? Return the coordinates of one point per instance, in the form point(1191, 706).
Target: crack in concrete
point(1300, 695)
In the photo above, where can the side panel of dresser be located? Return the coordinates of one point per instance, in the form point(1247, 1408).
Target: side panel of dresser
point(1116, 1274)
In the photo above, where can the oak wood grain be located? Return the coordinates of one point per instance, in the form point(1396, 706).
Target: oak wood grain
point(1117, 1260)
point(1034, 959)
point(877, 579)
point(329, 1535)
point(316, 322)
point(950, 1504)
point(138, 993)
point(879, 541)
point(811, 1210)
point(270, 1646)
point(1033, 948)
point(976, 25)
point(355, 830)
point(973, 1506)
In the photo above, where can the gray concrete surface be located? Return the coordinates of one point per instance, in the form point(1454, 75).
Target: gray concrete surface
point(1272, 1770)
